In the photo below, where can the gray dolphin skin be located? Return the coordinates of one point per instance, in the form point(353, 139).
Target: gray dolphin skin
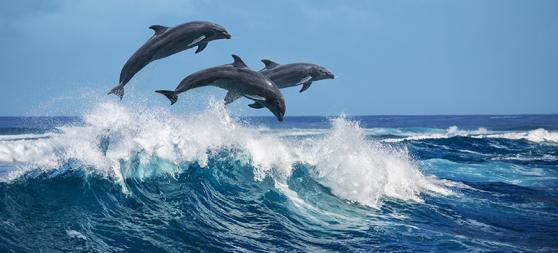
point(289, 75)
point(168, 41)
point(240, 81)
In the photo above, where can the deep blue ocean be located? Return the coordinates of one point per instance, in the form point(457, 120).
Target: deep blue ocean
point(136, 180)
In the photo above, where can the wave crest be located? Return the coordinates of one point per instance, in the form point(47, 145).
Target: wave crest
point(539, 135)
point(365, 171)
point(123, 142)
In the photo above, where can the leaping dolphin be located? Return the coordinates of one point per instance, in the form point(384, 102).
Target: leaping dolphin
point(289, 75)
point(240, 81)
point(168, 41)
point(294, 74)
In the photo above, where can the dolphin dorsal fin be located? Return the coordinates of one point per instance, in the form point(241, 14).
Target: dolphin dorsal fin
point(269, 64)
point(238, 62)
point(158, 29)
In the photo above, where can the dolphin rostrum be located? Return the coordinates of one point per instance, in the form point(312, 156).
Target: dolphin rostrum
point(168, 41)
point(240, 81)
point(289, 75)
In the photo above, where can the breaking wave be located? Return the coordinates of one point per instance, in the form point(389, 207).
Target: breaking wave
point(117, 142)
point(539, 135)
point(144, 179)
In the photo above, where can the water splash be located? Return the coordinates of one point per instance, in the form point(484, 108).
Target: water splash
point(365, 171)
point(121, 142)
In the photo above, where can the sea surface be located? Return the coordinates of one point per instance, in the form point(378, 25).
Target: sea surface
point(139, 180)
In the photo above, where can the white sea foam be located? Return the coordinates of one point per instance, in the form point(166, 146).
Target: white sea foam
point(365, 171)
point(16, 137)
point(343, 160)
point(450, 132)
point(75, 234)
point(537, 135)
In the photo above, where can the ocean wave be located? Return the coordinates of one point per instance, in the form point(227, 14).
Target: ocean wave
point(121, 143)
point(525, 158)
point(16, 137)
point(537, 135)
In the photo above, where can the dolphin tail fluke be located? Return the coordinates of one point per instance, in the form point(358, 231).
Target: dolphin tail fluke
point(171, 95)
point(118, 90)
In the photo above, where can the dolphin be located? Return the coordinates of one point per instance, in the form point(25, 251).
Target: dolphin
point(240, 81)
point(168, 41)
point(289, 75)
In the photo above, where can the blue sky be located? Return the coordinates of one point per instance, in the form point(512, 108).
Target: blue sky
point(60, 57)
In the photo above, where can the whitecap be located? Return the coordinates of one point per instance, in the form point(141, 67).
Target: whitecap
point(122, 142)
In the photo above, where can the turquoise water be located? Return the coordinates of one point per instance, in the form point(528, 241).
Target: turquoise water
point(151, 181)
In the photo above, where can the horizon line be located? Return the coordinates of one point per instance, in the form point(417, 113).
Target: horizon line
point(342, 114)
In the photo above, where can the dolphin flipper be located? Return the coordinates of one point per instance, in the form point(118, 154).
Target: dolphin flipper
point(196, 41)
point(305, 86)
point(231, 96)
point(201, 47)
point(256, 105)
